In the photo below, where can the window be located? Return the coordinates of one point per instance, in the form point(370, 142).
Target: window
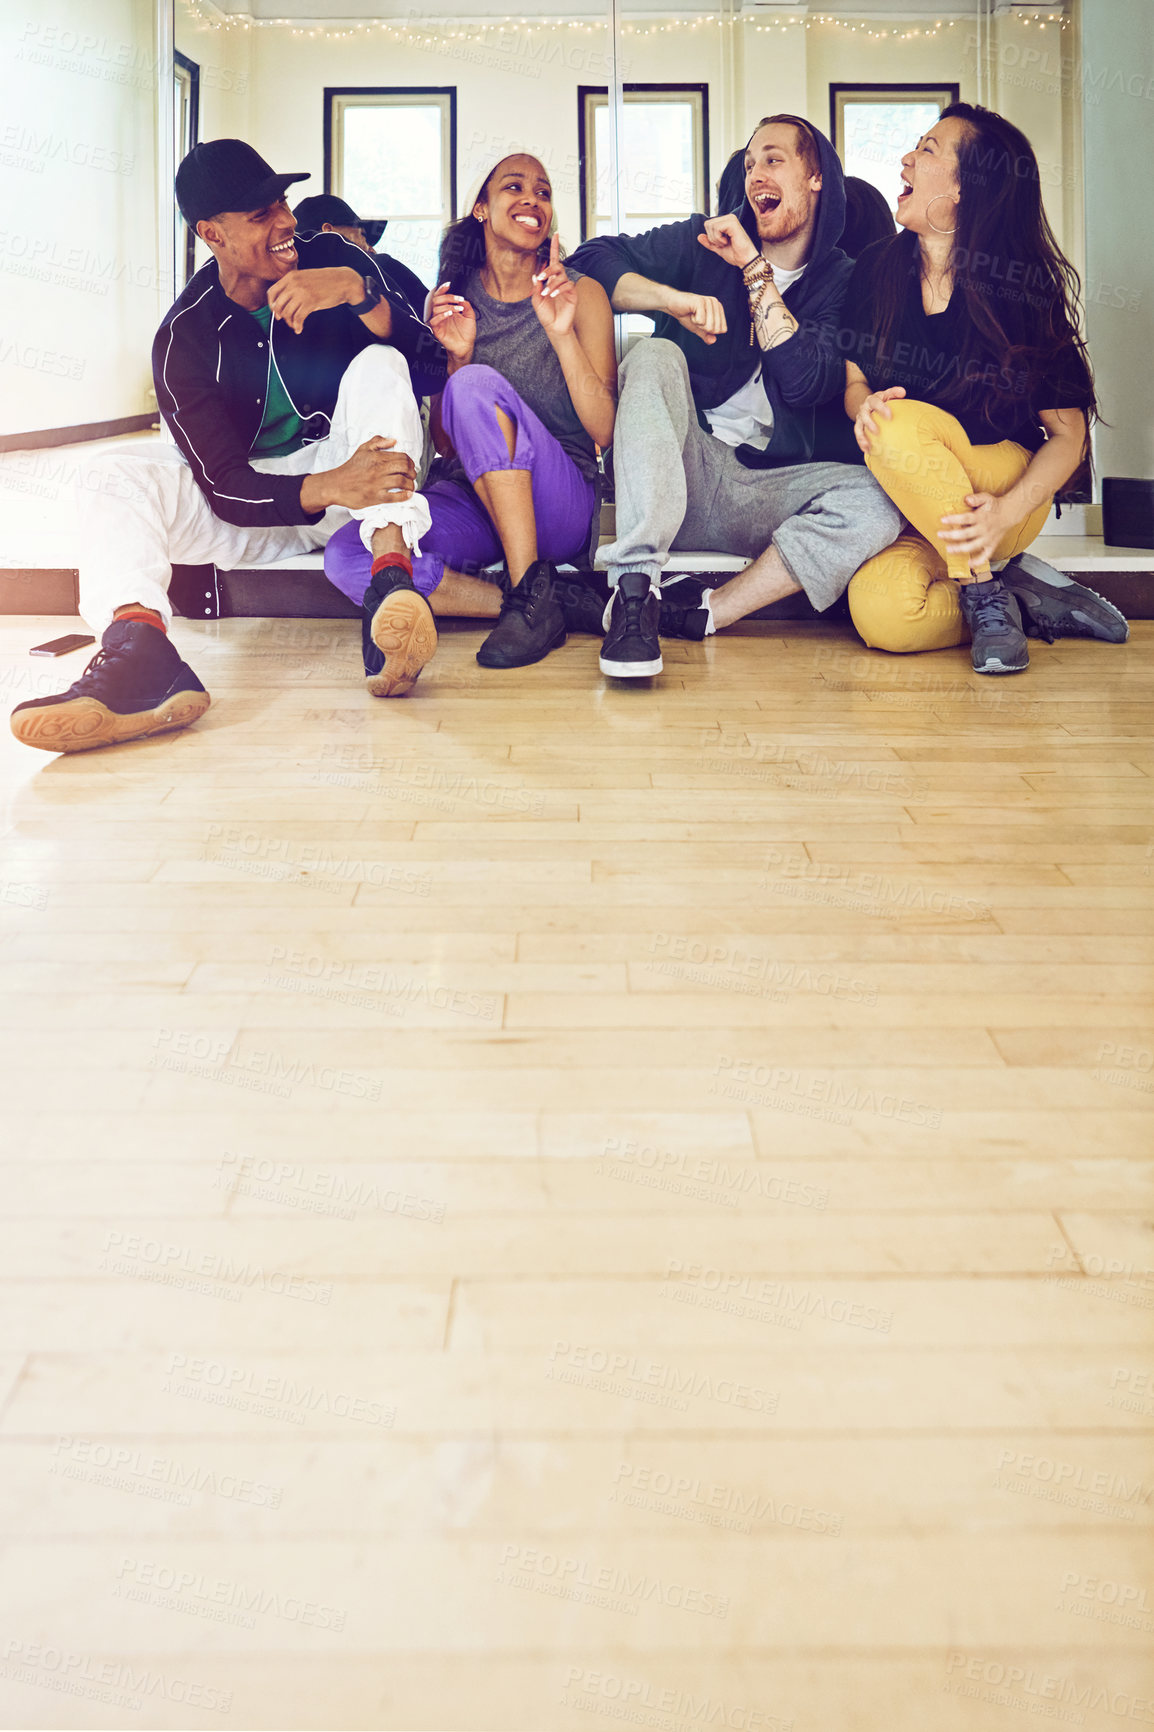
point(874, 125)
point(392, 153)
point(664, 168)
point(186, 114)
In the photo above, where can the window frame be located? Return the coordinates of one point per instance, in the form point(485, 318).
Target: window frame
point(181, 64)
point(409, 96)
point(587, 95)
point(925, 91)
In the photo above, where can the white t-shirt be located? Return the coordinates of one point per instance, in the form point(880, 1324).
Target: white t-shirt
point(746, 418)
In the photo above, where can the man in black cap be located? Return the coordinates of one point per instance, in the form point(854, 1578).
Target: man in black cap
point(325, 213)
point(282, 373)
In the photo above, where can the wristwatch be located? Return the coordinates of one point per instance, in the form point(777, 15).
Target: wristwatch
point(372, 295)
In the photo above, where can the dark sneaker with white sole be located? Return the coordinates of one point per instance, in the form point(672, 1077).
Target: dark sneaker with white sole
point(684, 610)
point(999, 643)
point(1054, 606)
point(531, 624)
point(632, 648)
point(135, 685)
point(398, 633)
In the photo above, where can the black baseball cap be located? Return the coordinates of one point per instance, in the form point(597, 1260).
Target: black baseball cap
point(226, 174)
point(326, 207)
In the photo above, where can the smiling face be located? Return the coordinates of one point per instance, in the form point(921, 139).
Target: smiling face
point(252, 246)
point(516, 204)
point(780, 184)
point(928, 202)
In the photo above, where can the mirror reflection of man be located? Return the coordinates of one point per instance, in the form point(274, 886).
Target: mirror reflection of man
point(717, 420)
point(282, 373)
point(325, 213)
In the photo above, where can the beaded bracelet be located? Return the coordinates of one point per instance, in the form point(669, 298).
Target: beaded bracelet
point(758, 283)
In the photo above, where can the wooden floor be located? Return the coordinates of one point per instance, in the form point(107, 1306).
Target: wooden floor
point(547, 1205)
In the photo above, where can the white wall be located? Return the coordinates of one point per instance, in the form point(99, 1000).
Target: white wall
point(80, 276)
point(1118, 79)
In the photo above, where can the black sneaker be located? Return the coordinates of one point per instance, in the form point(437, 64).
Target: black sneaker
point(1054, 606)
point(582, 602)
point(398, 633)
point(135, 684)
point(990, 611)
point(531, 624)
point(683, 610)
point(632, 648)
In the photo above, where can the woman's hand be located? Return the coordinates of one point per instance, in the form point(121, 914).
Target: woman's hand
point(555, 295)
point(865, 427)
point(977, 533)
point(454, 323)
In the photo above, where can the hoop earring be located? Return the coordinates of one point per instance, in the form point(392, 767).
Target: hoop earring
point(930, 219)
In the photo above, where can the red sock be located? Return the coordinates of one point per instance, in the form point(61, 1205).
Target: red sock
point(386, 559)
point(144, 615)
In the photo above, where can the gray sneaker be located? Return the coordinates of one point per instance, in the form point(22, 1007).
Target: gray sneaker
point(1053, 605)
point(990, 611)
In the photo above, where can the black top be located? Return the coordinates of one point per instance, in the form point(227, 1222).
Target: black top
point(800, 375)
point(991, 401)
point(211, 363)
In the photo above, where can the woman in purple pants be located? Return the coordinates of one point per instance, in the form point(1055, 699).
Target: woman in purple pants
point(531, 393)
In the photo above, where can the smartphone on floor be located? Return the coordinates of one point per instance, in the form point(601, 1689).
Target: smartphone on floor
point(61, 646)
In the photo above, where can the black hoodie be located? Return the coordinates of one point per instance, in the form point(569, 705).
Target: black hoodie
point(799, 375)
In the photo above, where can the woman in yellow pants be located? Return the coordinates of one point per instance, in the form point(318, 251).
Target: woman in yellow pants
point(971, 399)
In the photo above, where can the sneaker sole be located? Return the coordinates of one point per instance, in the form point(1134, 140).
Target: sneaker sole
point(996, 667)
point(405, 632)
point(82, 724)
point(630, 670)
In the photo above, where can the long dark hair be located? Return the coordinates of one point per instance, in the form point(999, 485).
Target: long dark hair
point(1021, 294)
point(463, 242)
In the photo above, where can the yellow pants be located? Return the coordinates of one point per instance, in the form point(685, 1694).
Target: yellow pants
point(906, 599)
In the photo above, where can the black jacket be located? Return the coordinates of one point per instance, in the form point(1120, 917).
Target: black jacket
point(210, 363)
point(799, 375)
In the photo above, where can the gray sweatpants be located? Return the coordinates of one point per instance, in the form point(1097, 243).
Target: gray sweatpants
point(679, 487)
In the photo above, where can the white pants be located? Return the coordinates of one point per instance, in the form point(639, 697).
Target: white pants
point(142, 512)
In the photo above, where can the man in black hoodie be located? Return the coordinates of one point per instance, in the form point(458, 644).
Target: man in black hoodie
point(718, 440)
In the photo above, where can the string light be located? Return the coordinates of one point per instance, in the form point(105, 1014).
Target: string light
point(432, 31)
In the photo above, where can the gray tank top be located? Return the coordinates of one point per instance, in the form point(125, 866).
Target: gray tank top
point(511, 341)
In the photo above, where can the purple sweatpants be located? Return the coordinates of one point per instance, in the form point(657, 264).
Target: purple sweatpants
point(462, 535)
